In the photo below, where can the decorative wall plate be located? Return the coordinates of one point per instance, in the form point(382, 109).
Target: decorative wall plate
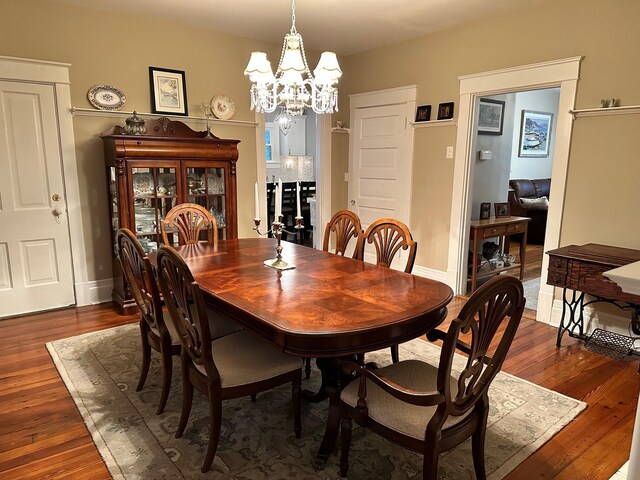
point(223, 107)
point(106, 97)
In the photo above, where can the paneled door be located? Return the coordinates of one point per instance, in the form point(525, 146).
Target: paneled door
point(380, 169)
point(35, 248)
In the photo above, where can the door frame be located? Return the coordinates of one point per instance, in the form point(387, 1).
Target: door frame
point(563, 73)
point(322, 171)
point(381, 98)
point(26, 70)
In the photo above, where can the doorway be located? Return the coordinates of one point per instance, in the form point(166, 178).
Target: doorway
point(40, 204)
point(514, 143)
point(564, 74)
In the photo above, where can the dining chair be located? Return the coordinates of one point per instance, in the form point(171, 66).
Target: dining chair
point(388, 236)
point(229, 367)
point(431, 409)
point(189, 220)
point(156, 331)
point(345, 225)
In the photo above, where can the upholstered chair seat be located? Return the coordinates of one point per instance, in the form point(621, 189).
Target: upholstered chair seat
point(392, 412)
point(243, 358)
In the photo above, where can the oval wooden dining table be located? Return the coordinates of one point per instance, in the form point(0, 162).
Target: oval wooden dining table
point(328, 307)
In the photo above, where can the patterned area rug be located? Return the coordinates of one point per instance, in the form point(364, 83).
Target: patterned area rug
point(101, 370)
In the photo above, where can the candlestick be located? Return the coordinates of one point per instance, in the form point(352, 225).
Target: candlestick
point(298, 210)
point(277, 228)
point(257, 216)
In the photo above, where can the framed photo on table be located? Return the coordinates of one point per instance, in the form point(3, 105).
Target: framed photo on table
point(168, 91)
point(490, 116)
point(485, 210)
point(502, 209)
point(535, 130)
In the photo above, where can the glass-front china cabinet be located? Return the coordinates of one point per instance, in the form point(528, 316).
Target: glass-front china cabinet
point(150, 174)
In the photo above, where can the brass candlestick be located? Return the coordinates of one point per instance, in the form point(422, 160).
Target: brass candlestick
point(277, 228)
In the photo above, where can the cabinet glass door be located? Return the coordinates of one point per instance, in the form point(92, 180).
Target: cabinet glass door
point(206, 187)
point(154, 194)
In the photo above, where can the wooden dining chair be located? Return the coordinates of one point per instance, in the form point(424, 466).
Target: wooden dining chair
point(389, 236)
point(189, 220)
point(431, 409)
point(345, 225)
point(156, 331)
point(229, 367)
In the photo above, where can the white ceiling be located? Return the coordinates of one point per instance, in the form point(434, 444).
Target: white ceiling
point(343, 26)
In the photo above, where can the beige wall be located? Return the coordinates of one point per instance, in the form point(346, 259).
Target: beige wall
point(114, 49)
point(601, 200)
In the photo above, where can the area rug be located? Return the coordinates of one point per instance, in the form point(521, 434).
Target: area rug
point(257, 442)
point(531, 291)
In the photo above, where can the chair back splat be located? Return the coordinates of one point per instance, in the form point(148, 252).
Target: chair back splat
point(345, 224)
point(189, 220)
point(388, 236)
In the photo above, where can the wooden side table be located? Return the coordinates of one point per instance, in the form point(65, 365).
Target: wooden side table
point(502, 227)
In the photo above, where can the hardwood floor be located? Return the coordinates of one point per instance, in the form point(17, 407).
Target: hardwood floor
point(43, 436)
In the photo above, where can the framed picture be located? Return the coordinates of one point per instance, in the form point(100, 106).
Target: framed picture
point(168, 91)
point(502, 209)
point(423, 113)
point(485, 210)
point(535, 130)
point(490, 117)
point(445, 111)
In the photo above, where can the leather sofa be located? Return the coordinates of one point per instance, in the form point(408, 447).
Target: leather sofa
point(526, 200)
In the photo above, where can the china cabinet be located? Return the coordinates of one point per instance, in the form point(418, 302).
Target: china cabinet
point(149, 174)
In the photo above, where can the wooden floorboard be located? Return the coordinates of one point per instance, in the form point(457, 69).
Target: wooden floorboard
point(42, 435)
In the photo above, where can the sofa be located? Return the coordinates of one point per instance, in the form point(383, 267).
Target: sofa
point(530, 198)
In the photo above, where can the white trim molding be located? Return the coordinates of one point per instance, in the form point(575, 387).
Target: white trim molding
point(57, 74)
point(94, 292)
point(431, 273)
point(91, 112)
point(378, 98)
point(563, 73)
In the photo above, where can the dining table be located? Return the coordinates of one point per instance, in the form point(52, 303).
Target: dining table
point(328, 307)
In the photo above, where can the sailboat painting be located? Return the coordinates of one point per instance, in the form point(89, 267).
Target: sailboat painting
point(535, 134)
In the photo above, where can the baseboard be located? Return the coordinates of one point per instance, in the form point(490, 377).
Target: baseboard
point(91, 293)
point(431, 273)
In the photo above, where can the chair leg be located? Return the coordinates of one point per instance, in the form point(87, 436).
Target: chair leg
point(146, 355)
point(167, 373)
point(345, 440)
point(254, 396)
point(296, 398)
point(215, 423)
point(477, 447)
point(430, 462)
point(395, 355)
point(307, 367)
point(187, 400)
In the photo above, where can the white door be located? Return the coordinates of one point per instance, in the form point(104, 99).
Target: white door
point(380, 169)
point(35, 249)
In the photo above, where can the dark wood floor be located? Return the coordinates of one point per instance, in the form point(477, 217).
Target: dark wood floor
point(43, 436)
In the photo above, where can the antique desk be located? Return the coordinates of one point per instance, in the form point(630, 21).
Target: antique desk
point(327, 307)
point(579, 268)
point(502, 227)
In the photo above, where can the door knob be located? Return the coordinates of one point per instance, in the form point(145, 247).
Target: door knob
point(55, 197)
point(57, 211)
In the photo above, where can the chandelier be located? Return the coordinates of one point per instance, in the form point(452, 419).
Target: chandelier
point(287, 88)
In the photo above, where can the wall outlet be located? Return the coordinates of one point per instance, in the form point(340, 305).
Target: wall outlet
point(346, 177)
point(450, 152)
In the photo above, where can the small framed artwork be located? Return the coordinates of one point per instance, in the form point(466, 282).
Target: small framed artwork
point(535, 130)
point(502, 209)
point(490, 116)
point(423, 113)
point(445, 111)
point(168, 91)
point(485, 210)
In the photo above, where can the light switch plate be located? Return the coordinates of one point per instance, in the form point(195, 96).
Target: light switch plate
point(450, 152)
point(346, 177)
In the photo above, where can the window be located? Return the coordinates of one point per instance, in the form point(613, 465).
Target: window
point(271, 143)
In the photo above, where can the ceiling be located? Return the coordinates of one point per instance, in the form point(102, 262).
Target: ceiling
point(343, 26)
